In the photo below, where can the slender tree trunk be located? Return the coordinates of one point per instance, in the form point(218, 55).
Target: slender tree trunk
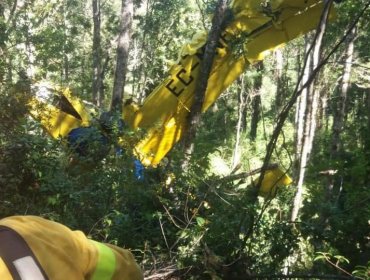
point(322, 108)
point(303, 123)
point(256, 102)
point(9, 72)
point(123, 47)
point(300, 111)
point(29, 48)
point(143, 49)
point(104, 68)
point(299, 128)
point(280, 88)
point(202, 82)
point(7, 26)
point(135, 74)
point(6, 67)
point(97, 55)
point(316, 57)
point(367, 136)
point(368, 119)
point(309, 120)
point(66, 67)
point(339, 114)
point(240, 127)
point(2, 43)
point(340, 110)
point(65, 70)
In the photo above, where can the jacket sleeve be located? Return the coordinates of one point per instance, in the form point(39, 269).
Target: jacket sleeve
point(66, 254)
point(63, 253)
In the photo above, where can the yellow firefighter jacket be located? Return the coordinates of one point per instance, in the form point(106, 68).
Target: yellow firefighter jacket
point(63, 254)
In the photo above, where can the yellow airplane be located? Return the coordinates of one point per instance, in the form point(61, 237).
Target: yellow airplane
point(261, 28)
point(57, 110)
point(256, 28)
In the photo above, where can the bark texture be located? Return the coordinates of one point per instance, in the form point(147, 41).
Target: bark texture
point(97, 55)
point(202, 82)
point(307, 115)
point(123, 48)
point(340, 109)
point(279, 77)
point(241, 124)
point(256, 102)
point(2, 42)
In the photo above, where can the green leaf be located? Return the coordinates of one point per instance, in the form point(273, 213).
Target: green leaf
point(52, 200)
point(184, 234)
point(341, 258)
point(200, 221)
point(319, 258)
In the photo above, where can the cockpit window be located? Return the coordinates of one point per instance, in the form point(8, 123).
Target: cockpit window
point(62, 103)
point(47, 94)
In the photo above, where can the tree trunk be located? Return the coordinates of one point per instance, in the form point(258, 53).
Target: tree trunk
point(340, 110)
point(316, 57)
point(240, 127)
point(367, 136)
point(123, 48)
point(66, 67)
point(339, 114)
point(7, 25)
point(303, 123)
point(300, 111)
point(97, 55)
point(2, 43)
point(256, 102)
point(65, 70)
point(202, 82)
point(367, 146)
point(104, 68)
point(28, 46)
point(309, 121)
point(143, 49)
point(322, 116)
point(280, 87)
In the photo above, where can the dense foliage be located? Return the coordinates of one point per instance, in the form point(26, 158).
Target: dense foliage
point(194, 223)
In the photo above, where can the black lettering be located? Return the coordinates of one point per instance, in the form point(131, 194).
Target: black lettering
point(223, 38)
point(222, 43)
point(182, 58)
point(182, 78)
point(200, 52)
point(195, 66)
point(173, 89)
point(178, 75)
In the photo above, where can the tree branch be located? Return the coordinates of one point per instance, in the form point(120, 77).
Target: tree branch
point(244, 175)
point(12, 12)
